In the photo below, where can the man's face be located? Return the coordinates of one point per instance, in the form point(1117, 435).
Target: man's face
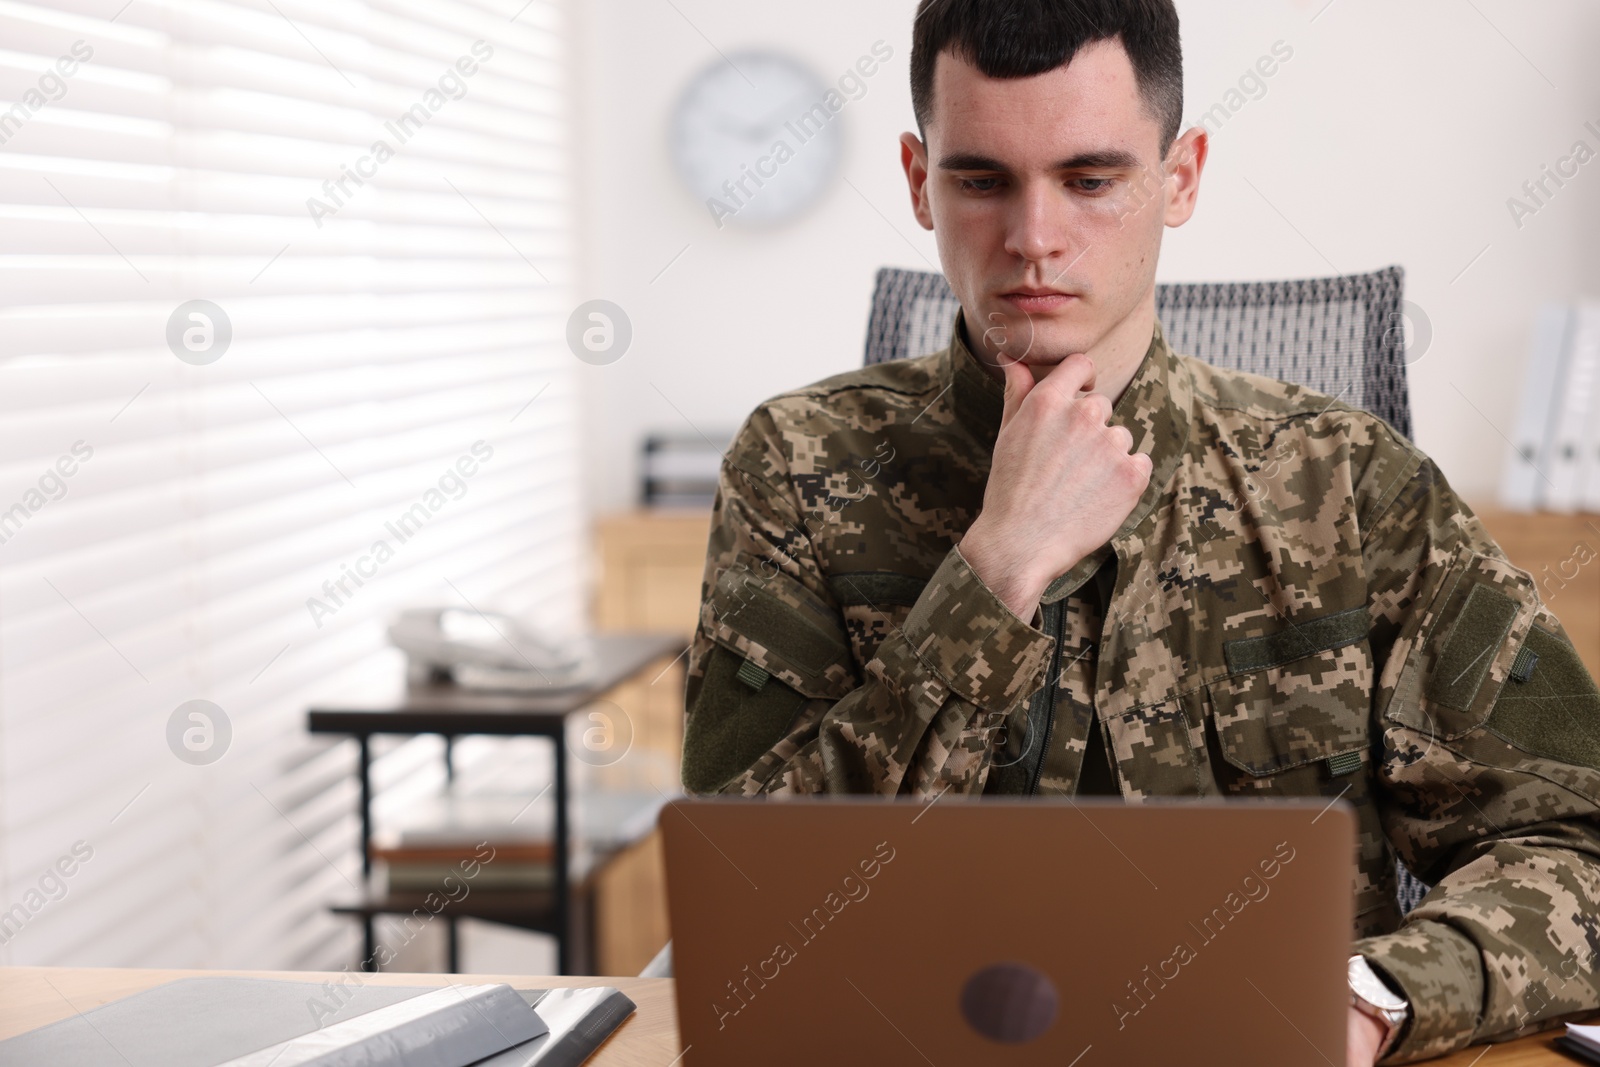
point(1053, 184)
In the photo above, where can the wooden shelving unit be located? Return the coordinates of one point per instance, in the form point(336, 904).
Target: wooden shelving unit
point(650, 568)
point(451, 711)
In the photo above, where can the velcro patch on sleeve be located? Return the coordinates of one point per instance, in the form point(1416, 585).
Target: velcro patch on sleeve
point(729, 727)
point(1476, 635)
point(1556, 714)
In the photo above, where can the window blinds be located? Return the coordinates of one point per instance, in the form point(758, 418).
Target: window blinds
point(273, 274)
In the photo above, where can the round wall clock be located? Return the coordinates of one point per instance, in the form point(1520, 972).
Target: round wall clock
point(755, 140)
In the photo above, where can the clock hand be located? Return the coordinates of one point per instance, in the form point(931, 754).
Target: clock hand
point(740, 130)
point(782, 115)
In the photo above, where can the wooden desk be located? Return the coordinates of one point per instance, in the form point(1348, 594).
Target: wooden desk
point(30, 997)
point(33, 996)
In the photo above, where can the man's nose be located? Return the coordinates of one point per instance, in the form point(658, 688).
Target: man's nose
point(1038, 228)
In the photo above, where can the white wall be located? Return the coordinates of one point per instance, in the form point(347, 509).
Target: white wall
point(1395, 134)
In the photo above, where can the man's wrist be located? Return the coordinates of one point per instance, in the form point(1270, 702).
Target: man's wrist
point(1020, 595)
point(1012, 581)
point(958, 629)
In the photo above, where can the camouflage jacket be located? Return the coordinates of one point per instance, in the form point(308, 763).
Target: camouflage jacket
point(1298, 605)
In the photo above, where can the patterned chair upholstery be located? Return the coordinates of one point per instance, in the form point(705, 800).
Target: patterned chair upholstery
point(1340, 336)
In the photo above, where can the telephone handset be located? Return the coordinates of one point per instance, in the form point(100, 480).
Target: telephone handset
point(486, 650)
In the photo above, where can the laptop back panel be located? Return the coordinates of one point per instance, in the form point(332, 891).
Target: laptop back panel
point(1011, 932)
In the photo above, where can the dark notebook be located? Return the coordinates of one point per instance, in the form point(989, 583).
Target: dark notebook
point(201, 1022)
point(1564, 1043)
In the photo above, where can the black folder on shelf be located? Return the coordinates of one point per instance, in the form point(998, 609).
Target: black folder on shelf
point(204, 1022)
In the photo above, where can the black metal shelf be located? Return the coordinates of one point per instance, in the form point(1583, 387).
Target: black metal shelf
point(451, 712)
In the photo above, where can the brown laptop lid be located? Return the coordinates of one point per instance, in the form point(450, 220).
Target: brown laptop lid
point(995, 932)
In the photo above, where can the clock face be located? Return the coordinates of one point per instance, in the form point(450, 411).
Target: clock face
point(754, 139)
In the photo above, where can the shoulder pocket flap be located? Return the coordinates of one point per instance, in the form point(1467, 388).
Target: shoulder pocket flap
point(1292, 714)
point(1468, 640)
point(785, 629)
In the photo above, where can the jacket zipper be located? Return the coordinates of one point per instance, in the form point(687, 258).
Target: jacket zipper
point(1050, 708)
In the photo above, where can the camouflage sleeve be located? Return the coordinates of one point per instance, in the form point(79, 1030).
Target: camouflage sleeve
point(1489, 776)
point(775, 699)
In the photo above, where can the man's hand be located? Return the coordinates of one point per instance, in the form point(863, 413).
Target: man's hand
point(1365, 1035)
point(1060, 485)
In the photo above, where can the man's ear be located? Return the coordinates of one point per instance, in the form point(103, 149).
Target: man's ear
point(1185, 160)
point(914, 158)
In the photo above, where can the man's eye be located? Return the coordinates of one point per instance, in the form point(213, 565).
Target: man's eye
point(977, 185)
point(1093, 185)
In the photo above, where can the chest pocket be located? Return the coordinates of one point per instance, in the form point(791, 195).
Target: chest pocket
point(1294, 719)
point(1296, 697)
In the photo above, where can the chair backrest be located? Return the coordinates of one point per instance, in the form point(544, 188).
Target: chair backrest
point(1341, 336)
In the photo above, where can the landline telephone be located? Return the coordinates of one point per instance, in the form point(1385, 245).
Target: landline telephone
point(486, 650)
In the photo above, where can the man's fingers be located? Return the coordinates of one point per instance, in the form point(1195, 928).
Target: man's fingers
point(1019, 382)
point(1071, 376)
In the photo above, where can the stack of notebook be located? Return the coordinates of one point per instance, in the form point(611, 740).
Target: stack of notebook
point(257, 1022)
point(1582, 1041)
point(503, 840)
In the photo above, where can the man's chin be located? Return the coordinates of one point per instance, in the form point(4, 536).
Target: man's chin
point(1046, 354)
point(1040, 342)
point(1039, 366)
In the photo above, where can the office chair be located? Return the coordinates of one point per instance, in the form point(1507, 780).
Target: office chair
point(1340, 336)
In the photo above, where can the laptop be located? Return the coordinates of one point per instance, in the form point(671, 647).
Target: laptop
point(1075, 933)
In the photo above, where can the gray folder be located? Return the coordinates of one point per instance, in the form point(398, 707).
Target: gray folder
point(201, 1022)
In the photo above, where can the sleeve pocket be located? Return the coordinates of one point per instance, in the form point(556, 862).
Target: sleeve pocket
point(1467, 641)
point(783, 630)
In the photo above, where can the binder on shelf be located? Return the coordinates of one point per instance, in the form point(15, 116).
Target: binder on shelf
point(1527, 479)
point(1570, 462)
point(681, 470)
point(1590, 331)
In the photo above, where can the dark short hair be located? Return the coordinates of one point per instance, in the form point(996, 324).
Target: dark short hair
point(1021, 38)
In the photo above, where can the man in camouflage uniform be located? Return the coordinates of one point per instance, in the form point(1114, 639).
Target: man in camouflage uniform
point(1218, 585)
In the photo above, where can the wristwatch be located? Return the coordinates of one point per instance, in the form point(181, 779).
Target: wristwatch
point(1372, 996)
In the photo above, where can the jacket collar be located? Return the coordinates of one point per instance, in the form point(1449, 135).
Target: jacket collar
point(1154, 408)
